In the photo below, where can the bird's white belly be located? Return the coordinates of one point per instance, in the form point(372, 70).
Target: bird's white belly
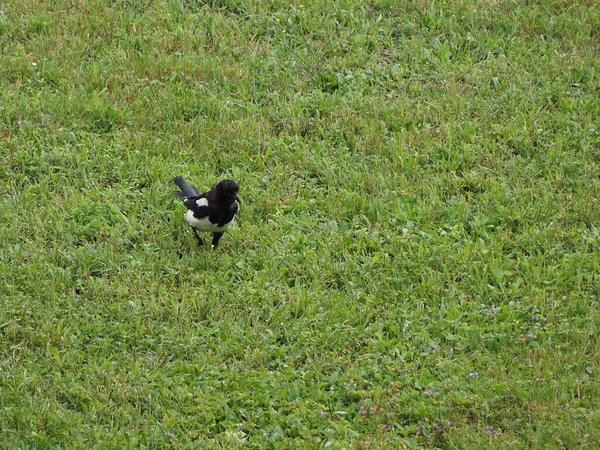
point(204, 224)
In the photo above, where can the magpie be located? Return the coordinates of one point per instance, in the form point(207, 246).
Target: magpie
point(211, 211)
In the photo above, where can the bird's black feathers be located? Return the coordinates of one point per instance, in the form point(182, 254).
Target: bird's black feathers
point(212, 211)
point(186, 189)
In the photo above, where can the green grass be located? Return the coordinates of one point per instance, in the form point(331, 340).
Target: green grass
point(415, 264)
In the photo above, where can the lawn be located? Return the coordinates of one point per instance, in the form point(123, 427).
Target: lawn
point(416, 260)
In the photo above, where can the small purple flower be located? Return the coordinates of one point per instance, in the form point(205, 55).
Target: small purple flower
point(324, 413)
point(362, 410)
point(430, 392)
point(490, 429)
point(474, 374)
point(387, 427)
point(373, 410)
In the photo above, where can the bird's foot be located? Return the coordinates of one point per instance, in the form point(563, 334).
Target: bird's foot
point(215, 241)
point(200, 240)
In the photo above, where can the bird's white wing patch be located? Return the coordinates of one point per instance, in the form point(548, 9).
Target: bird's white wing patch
point(202, 202)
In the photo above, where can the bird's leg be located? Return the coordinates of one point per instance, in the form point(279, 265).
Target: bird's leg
point(216, 237)
point(200, 240)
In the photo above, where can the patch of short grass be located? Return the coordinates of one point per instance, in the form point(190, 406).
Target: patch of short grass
point(415, 263)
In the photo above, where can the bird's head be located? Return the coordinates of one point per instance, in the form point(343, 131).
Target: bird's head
point(228, 189)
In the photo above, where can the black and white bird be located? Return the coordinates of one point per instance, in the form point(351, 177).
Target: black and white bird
point(212, 211)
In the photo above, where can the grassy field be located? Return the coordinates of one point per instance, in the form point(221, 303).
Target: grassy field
point(415, 264)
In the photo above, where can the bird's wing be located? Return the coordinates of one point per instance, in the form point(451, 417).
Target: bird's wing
point(198, 205)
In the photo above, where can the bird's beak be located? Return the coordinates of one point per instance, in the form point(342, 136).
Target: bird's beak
point(237, 198)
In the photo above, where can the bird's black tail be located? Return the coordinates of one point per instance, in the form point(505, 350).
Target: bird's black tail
point(186, 190)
